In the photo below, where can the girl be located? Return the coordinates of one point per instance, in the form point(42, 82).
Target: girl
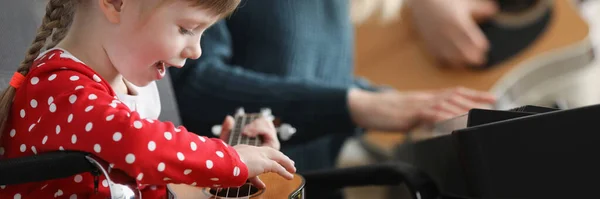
point(68, 98)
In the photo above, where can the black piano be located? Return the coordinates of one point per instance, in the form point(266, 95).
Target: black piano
point(526, 152)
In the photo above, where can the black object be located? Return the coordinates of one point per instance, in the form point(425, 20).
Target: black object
point(53, 165)
point(515, 6)
point(506, 42)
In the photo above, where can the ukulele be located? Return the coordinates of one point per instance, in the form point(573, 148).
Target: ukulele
point(539, 50)
point(277, 186)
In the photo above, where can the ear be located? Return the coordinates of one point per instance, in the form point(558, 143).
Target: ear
point(111, 9)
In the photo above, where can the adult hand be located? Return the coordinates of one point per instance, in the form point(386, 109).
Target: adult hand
point(450, 31)
point(400, 111)
point(261, 127)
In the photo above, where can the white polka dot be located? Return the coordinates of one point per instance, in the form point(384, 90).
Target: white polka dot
point(22, 113)
point(130, 158)
point(89, 108)
point(97, 148)
point(23, 148)
point(92, 97)
point(17, 196)
point(72, 99)
point(43, 187)
point(153, 187)
point(140, 177)
point(45, 140)
point(61, 148)
point(216, 185)
point(34, 149)
point(74, 196)
point(110, 117)
point(74, 139)
point(58, 193)
point(1, 150)
point(236, 171)
point(52, 55)
point(220, 154)
point(78, 178)
point(52, 77)
point(96, 78)
point(111, 165)
point(168, 135)
point(50, 100)
point(52, 108)
point(193, 146)
point(70, 118)
point(180, 156)
point(150, 121)
point(104, 183)
point(209, 164)
point(40, 118)
point(117, 136)
point(166, 179)
point(137, 124)
point(151, 146)
point(57, 129)
point(187, 172)
point(33, 103)
point(113, 105)
point(78, 87)
point(31, 127)
point(177, 130)
point(161, 167)
point(193, 184)
point(35, 80)
point(214, 179)
point(74, 78)
point(13, 133)
point(89, 126)
point(202, 138)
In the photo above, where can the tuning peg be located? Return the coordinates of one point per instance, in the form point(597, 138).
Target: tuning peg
point(216, 130)
point(240, 111)
point(286, 131)
point(266, 112)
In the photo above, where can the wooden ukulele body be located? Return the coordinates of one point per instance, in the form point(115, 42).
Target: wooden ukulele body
point(277, 188)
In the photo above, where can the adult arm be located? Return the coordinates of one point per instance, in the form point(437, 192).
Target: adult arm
point(212, 84)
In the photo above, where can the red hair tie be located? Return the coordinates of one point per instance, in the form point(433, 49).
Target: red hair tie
point(17, 80)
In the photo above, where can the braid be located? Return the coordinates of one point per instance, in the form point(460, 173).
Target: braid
point(63, 23)
point(59, 14)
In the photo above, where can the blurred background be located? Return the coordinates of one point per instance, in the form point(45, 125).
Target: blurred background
point(399, 51)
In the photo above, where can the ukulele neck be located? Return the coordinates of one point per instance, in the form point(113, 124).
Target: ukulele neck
point(237, 137)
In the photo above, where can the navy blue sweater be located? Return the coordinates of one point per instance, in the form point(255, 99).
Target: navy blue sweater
point(293, 56)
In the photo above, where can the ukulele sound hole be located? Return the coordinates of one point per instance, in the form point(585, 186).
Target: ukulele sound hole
point(243, 191)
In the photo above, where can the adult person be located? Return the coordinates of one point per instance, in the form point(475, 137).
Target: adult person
point(296, 58)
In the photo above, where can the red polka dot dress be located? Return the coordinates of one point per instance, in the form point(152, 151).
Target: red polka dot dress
point(65, 105)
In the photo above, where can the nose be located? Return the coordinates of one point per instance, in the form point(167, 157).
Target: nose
point(193, 51)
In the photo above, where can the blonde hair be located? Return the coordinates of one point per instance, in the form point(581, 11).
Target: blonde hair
point(55, 25)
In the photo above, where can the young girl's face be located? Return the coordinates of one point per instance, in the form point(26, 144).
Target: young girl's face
point(152, 35)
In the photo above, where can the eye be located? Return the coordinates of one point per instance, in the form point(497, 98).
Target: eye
point(185, 31)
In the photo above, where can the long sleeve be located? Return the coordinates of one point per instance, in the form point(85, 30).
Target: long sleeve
point(213, 84)
point(84, 115)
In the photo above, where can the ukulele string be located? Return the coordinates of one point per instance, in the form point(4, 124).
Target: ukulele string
point(255, 144)
point(239, 141)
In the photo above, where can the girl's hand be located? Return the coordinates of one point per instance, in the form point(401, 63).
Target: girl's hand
point(264, 159)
